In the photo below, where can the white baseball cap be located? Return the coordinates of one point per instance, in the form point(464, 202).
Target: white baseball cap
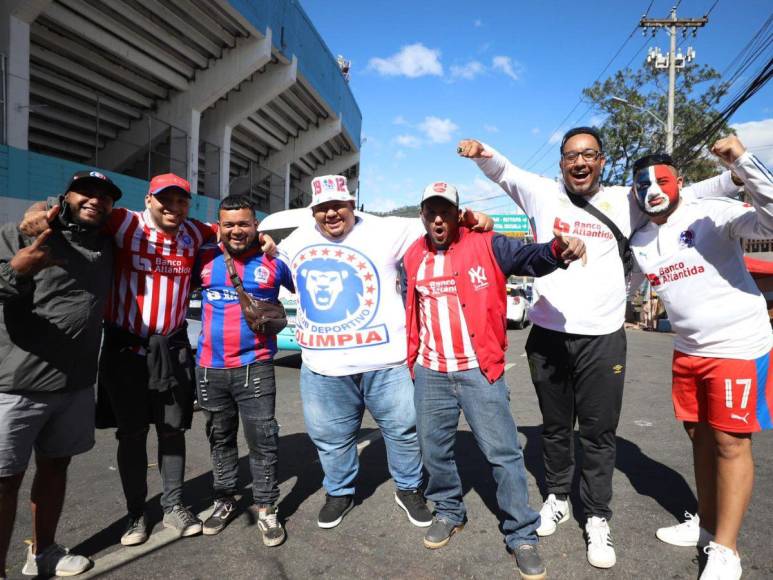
point(441, 189)
point(329, 188)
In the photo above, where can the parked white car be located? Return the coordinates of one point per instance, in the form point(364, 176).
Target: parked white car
point(517, 306)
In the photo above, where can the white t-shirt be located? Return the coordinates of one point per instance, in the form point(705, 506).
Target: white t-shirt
point(587, 299)
point(695, 264)
point(351, 317)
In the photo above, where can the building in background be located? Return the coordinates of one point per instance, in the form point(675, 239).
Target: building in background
point(239, 96)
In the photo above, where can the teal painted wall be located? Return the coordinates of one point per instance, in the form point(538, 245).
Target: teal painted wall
point(32, 176)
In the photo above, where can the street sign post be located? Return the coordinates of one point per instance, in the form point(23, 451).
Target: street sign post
point(512, 225)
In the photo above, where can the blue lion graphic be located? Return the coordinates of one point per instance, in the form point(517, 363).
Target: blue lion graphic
point(329, 290)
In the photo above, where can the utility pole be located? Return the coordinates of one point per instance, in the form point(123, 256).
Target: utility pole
point(672, 60)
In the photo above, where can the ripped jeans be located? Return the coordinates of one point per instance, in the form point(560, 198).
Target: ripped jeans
point(224, 395)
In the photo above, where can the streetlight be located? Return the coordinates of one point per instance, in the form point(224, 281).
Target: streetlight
point(669, 135)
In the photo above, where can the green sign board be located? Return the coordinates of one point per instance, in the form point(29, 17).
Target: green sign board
point(516, 225)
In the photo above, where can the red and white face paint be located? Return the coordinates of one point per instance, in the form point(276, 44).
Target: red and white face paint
point(656, 189)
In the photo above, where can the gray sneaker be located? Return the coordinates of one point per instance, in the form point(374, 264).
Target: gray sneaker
point(270, 527)
point(55, 560)
point(529, 562)
point(440, 532)
point(181, 519)
point(136, 531)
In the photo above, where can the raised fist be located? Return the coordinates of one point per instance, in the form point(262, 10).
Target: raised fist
point(728, 149)
point(472, 149)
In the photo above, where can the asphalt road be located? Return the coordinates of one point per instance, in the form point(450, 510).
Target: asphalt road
point(653, 486)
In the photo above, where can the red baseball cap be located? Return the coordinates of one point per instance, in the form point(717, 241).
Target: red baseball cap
point(166, 181)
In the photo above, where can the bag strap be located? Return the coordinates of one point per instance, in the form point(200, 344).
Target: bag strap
point(232, 273)
point(623, 245)
point(583, 203)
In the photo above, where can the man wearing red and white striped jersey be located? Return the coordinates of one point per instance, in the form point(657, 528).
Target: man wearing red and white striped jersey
point(455, 321)
point(146, 368)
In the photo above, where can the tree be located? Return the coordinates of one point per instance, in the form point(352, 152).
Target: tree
point(630, 131)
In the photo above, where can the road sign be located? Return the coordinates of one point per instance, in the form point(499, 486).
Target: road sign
point(513, 225)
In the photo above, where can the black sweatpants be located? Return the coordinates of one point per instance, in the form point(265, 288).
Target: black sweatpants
point(579, 378)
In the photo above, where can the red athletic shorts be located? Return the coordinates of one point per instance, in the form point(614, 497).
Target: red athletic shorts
point(729, 394)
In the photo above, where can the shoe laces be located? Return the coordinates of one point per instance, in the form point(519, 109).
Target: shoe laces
point(598, 531)
point(185, 515)
point(222, 508)
point(690, 520)
point(414, 497)
point(269, 517)
point(134, 523)
point(719, 554)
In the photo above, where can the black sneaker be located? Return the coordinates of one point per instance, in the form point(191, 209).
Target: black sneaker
point(415, 506)
point(270, 527)
point(529, 562)
point(223, 512)
point(136, 531)
point(334, 510)
point(440, 532)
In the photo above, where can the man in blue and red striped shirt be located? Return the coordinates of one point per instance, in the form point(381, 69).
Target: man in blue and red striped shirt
point(235, 370)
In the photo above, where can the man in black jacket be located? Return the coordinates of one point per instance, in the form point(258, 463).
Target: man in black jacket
point(52, 295)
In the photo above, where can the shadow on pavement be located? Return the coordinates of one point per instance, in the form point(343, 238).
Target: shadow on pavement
point(297, 459)
point(647, 476)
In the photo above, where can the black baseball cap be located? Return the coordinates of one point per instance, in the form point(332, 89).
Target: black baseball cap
point(97, 178)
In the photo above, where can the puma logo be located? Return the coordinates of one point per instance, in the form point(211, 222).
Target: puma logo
point(745, 418)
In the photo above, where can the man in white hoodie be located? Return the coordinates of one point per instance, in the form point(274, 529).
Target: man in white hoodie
point(722, 385)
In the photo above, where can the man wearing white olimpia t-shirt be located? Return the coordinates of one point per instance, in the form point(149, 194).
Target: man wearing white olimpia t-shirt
point(350, 325)
point(577, 346)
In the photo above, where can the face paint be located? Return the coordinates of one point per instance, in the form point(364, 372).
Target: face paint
point(656, 189)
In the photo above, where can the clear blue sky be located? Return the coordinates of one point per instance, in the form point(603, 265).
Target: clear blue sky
point(426, 74)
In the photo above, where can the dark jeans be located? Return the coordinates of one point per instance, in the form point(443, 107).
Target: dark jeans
point(124, 377)
point(224, 395)
point(440, 397)
point(579, 378)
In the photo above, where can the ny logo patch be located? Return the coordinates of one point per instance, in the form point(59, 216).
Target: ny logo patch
point(478, 277)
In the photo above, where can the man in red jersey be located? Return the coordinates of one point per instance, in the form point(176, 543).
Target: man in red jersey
point(146, 368)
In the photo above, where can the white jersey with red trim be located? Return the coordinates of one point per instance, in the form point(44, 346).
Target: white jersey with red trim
point(586, 300)
point(444, 340)
point(695, 263)
point(152, 272)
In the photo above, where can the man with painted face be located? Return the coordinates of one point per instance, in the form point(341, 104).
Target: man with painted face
point(722, 382)
point(350, 326)
point(577, 345)
point(455, 307)
point(235, 368)
point(53, 290)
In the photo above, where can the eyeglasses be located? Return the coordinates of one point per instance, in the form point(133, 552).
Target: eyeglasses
point(587, 155)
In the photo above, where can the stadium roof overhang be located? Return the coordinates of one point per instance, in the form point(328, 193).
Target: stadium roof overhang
point(114, 81)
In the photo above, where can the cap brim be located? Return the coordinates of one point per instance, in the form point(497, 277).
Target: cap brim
point(111, 188)
point(440, 195)
point(172, 187)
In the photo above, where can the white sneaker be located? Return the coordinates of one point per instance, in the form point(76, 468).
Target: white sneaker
point(723, 563)
point(554, 511)
point(55, 560)
point(601, 549)
point(687, 534)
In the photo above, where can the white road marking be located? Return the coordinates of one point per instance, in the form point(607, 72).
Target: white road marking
point(643, 423)
point(508, 366)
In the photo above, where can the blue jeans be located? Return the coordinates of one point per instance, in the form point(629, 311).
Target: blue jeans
point(249, 392)
point(440, 397)
point(333, 409)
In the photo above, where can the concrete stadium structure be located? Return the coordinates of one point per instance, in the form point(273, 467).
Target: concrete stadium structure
point(239, 96)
